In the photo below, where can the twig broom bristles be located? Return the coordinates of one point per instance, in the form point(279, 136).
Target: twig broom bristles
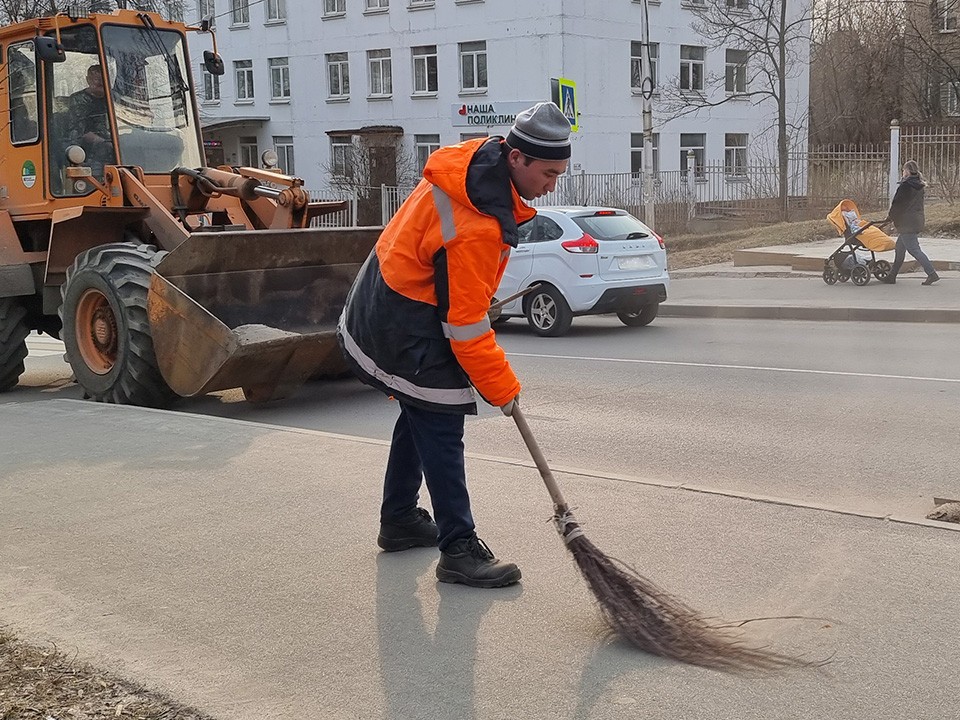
point(638, 610)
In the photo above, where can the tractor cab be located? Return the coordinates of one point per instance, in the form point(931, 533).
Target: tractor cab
point(117, 94)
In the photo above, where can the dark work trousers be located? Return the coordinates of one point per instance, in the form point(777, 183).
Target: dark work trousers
point(910, 243)
point(428, 445)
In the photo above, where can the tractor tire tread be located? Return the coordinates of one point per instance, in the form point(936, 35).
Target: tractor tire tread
point(13, 342)
point(128, 266)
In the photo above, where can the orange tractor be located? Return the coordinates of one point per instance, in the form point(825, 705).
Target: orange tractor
point(163, 277)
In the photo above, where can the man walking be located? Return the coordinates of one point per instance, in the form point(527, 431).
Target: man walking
point(415, 326)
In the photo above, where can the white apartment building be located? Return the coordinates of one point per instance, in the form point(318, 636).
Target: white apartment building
point(313, 78)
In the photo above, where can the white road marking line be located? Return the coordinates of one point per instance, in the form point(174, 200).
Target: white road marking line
point(741, 367)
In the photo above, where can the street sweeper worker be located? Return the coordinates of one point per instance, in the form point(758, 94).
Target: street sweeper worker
point(415, 326)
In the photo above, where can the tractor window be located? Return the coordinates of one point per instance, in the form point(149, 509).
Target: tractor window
point(77, 108)
point(152, 98)
point(22, 82)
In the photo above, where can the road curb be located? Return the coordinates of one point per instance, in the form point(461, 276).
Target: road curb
point(830, 314)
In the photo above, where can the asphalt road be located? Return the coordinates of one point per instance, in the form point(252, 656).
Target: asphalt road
point(860, 417)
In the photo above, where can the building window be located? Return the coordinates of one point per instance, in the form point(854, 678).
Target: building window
point(211, 86)
point(338, 75)
point(735, 154)
point(378, 4)
point(424, 68)
point(243, 69)
point(207, 9)
point(636, 153)
point(691, 67)
point(421, 3)
point(473, 66)
point(279, 78)
point(738, 4)
point(334, 7)
point(276, 10)
point(341, 156)
point(736, 81)
point(381, 73)
point(170, 9)
point(946, 15)
point(698, 143)
point(636, 65)
point(425, 144)
point(249, 153)
point(283, 144)
point(949, 100)
point(241, 12)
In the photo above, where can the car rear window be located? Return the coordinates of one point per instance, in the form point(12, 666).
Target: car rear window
point(611, 227)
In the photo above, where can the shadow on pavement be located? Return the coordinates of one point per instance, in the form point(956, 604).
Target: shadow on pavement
point(429, 675)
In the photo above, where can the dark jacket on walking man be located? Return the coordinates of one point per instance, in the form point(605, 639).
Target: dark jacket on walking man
point(415, 326)
point(906, 212)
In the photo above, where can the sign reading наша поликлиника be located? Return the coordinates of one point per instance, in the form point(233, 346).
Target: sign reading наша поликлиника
point(487, 114)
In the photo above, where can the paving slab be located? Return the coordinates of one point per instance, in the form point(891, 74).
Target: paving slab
point(233, 565)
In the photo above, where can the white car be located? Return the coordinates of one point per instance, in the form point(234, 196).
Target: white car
point(587, 261)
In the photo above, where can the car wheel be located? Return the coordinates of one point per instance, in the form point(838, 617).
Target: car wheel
point(644, 315)
point(548, 313)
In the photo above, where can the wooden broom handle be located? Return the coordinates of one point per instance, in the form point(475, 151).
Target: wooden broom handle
point(539, 459)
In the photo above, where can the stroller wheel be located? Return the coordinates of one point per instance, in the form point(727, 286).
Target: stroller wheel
point(881, 269)
point(843, 275)
point(830, 275)
point(860, 275)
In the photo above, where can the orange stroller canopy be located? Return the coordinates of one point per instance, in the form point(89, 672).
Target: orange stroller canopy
point(846, 219)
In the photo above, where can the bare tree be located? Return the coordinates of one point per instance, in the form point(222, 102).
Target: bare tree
point(769, 40)
point(856, 70)
point(931, 59)
point(375, 157)
point(13, 11)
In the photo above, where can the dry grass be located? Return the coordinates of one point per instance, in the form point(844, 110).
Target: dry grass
point(45, 683)
point(685, 251)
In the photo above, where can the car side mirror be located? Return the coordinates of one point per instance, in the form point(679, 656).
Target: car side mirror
point(213, 62)
point(49, 50)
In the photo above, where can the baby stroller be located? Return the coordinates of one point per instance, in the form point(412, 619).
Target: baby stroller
point(851, 261)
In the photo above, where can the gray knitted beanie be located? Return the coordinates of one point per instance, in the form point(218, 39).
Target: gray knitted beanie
point(541, 132)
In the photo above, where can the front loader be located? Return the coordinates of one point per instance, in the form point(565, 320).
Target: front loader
point(163, 277)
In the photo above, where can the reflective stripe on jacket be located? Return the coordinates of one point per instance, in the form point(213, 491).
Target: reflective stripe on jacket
point(415, 323)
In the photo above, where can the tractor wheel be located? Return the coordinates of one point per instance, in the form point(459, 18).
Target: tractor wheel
point(105, 326)
point(13, 341)
point(644, 315)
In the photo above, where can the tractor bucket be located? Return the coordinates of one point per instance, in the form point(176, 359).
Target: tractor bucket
point(255, 309)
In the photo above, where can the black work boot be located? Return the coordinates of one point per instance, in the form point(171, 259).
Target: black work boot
point(416, 530)
point(470, 561)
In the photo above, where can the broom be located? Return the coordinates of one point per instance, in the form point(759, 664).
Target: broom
point(638, 610)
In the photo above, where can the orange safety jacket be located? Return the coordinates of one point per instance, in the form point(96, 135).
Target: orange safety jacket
point(415, 323)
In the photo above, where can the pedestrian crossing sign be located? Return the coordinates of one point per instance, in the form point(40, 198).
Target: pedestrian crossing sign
point(564, 94)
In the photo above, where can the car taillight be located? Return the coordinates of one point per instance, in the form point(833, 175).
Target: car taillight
point(659, 240)
point(585, 244)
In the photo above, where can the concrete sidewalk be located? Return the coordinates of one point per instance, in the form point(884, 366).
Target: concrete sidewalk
point(233, 565)
point(784, 282)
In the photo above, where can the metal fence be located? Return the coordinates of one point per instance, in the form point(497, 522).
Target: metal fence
point(344, 218)
point(937, 150)
point(714, 197)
